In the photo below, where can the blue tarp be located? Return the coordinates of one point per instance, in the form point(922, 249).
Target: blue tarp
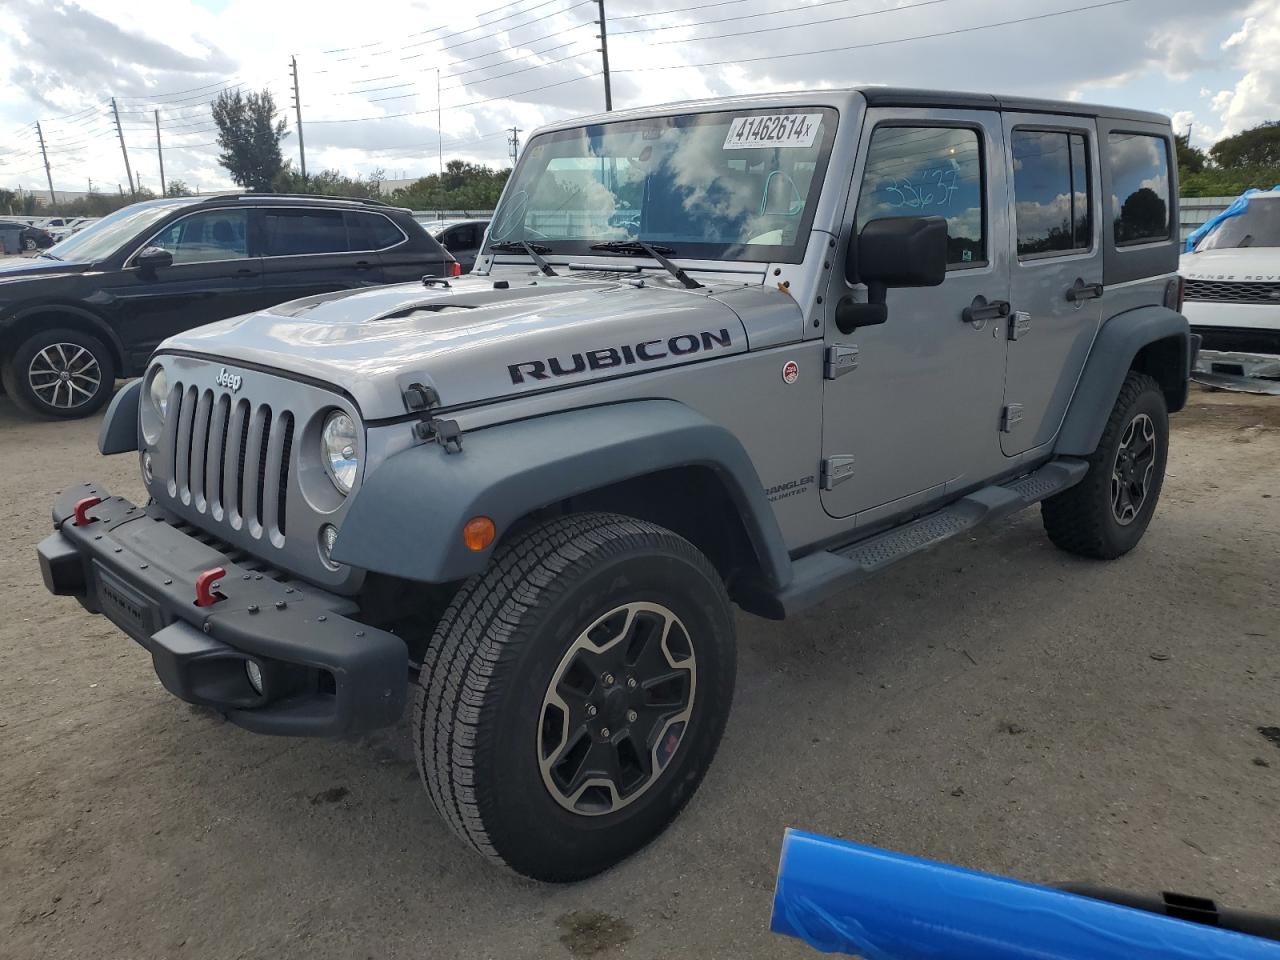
point(842, 897)
point(1237, 207)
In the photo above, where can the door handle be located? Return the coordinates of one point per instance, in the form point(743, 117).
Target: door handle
point(980, 310)
point(246, 272)
point(1083, 291)
point(363, 264)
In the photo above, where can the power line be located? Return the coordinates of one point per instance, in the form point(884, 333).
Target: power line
point(875, 43)
point(774, 13)
point(505, 8)
point(663, 13)
point(457, 106)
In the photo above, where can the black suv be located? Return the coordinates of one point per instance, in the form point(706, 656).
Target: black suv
point(96, 305)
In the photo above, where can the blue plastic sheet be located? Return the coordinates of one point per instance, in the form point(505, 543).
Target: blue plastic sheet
point(1238, 206)
point(842, 897)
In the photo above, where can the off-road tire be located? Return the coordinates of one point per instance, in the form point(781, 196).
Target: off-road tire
point(17, 381)
point(479, 704)
point(1081, 520)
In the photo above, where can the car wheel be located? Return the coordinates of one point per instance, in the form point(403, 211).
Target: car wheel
point(1105, 515)
point(60, 374)
point(29, 243)
point(573, 695)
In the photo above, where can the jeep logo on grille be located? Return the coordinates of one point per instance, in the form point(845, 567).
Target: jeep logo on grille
point(231, 381)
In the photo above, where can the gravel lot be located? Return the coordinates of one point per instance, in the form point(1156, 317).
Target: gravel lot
point(994, 703)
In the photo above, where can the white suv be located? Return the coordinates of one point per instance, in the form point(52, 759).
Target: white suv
point(1232, 297)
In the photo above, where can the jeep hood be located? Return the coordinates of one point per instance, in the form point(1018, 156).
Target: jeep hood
point(474, 340)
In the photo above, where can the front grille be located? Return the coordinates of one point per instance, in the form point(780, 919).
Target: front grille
point(230, 459)
point(1230, 291)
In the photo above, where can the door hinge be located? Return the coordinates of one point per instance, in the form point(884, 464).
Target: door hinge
point(1019, 324)
point(841, 358)
point(1010, 417)
point(836, 470)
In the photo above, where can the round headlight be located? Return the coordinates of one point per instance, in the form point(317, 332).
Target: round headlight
point(159, 391)
point(341, 458)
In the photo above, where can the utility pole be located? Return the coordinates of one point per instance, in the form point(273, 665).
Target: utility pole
point(514, 143)
point(123, 149)
point(53, 201)
point(160, 153)
point(297, 103)
point(439, 132)
point(604, 57)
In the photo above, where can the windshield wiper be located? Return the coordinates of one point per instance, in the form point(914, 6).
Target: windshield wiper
point(657, 252)
point(49, 256)
point(534, 251)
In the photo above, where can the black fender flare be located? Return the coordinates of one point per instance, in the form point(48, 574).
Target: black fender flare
point(1110, 359)
point(121, 428)
point(406, 519)
point(100, 326)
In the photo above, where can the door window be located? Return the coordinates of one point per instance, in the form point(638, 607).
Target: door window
point(295, 232)
point(1051, 192)
point(462, 238)
point(206, 237)
point(1139, 166)
point(928, 171)
point(371, 231)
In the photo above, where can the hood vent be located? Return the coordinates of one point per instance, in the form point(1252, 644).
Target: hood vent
point(404, 312)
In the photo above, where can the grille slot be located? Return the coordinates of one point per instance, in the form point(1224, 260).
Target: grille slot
point(230, 459)
point(1228, 291)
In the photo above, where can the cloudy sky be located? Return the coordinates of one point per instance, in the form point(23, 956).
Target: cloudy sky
point(369, 72)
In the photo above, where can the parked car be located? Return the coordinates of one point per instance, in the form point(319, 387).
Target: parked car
point(72, 225)
point(32, 238)
point(1232, 292)
point(462, 238)
point(94, 307)
point(846, 326)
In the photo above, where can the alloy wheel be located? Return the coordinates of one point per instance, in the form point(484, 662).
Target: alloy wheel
point(64, 375)
point(616, 709)
point(1132, 469)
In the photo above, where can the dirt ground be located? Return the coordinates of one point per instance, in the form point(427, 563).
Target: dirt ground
point(993, 703)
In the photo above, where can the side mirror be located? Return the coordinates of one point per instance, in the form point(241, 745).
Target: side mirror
point(891, 252)
point(153, 258)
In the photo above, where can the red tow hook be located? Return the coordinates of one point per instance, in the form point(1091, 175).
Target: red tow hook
point(205, 584)
point(80, 516)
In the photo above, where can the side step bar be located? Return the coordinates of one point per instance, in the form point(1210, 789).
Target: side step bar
point(821, 575)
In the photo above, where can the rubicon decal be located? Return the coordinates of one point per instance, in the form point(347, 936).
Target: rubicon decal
point(624, 355)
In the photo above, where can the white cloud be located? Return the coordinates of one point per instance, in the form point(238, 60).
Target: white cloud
point(1251, 50)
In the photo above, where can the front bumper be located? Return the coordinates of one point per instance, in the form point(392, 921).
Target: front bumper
point(324, 673)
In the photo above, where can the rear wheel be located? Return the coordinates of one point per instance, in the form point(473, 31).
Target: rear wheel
point(574, 694)
point(1105, 515)
point(60, 374)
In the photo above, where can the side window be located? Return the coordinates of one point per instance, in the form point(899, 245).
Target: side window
point(206, 237)
point(371, 231)
point(928, 171)
point(462, 238)
point(1051, 193)
point(294, 232)
point(1139, 166)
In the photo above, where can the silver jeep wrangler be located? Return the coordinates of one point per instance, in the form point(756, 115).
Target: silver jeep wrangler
point(746, 351)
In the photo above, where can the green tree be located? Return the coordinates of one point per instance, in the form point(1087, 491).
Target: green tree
point(330, 183)
point(250, 136)
point(179, 188)
point(1258, 146)
point(7, 199)
point(464, 186)
point(1190, 159)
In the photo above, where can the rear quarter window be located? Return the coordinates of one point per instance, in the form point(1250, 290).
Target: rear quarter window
point(1140, 202)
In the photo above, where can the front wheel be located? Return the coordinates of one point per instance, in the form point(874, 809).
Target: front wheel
point(1105, 515)
point(574, 694)
point(60, 374)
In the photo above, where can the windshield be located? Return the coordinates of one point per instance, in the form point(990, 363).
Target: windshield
point(737, 185)
point(1257, 226)
point(100, 240)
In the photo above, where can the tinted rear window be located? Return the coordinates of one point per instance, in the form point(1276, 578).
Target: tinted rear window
point(1051, 192)
point(294, 232)
point(372, 231)
point(1139, 187)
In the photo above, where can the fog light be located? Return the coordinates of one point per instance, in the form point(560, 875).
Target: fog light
point(328, 537)
point(254, 672)
point(147, 474)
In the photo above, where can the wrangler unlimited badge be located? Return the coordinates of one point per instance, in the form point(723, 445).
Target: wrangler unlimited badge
point(622, 356)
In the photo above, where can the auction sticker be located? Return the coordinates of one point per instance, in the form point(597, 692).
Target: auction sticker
point(773, 130)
